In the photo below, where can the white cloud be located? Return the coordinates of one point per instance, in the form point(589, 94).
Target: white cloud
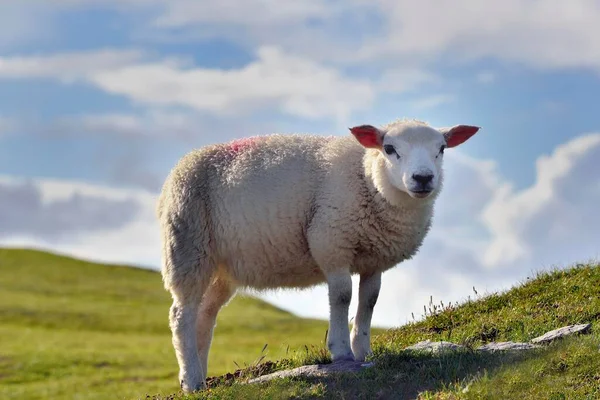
point(88, 221)
point(545, 33)
point(27, 210)
point(383, 33)
point(67, 67)
point(485, 233)
point(539, 223)
point(295, 85)
point(540, 34)
point(292, 84)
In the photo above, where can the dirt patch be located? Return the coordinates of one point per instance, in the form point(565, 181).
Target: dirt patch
point(102, 364)
point(252, 372)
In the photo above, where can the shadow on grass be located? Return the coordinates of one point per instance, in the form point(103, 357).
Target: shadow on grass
point(405, 375)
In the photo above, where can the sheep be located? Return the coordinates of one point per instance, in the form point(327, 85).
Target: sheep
point(294, 211)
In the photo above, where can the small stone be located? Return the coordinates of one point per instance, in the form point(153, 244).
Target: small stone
point(315, 370)
point(504, 346)
point(562, 332)
point(435, 347)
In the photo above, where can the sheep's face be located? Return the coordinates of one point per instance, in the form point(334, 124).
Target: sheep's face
point(413, 153)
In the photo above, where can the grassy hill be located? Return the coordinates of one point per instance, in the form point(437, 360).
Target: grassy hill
point(567, 369)
point(72, 329)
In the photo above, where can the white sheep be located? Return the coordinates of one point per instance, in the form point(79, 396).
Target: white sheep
point(282, 211)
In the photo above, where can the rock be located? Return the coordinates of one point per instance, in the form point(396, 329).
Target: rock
point(321, 370)
point(504, 346)
point(435, 347)
point(316, 370)
point(562, 332)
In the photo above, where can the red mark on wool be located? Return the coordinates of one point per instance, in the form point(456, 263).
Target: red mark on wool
point(239, 145)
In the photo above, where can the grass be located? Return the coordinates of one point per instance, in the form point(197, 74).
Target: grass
point(566, 369)
point(72, 329)
point(78, 330)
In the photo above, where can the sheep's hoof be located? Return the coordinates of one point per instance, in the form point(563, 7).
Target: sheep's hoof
point(344, 358)
point(191, 388)
point(362, 355)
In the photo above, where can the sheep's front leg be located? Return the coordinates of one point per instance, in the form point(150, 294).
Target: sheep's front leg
point(368, 293)
point(340, 295)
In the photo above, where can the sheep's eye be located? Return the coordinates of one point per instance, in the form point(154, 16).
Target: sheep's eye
point(442, 149)
point(389, 149)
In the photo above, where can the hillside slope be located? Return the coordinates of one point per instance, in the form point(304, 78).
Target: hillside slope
point(74, 329)
point(566, 369)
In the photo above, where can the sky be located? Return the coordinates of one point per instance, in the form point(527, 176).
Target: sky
point(100, 98)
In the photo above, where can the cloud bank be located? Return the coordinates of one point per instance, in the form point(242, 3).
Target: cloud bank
point(294, 85)
point(540, 34)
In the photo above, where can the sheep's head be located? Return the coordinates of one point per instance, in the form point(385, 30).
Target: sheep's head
point(413, 152)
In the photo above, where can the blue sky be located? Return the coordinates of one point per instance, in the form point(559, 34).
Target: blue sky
point(98, 100)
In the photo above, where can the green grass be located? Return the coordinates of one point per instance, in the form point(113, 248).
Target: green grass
point(77, 330)
point(566, 369)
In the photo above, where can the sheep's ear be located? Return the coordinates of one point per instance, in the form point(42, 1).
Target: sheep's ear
point(458, 134)
point(368, 136)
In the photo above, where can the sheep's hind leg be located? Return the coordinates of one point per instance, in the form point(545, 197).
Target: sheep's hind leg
point(217, 294)
point(340, 295)
point(183, 324)
point(187, 294)
point(368, 292)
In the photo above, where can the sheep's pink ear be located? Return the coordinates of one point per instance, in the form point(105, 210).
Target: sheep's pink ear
point(458, 134)
point(368, 136)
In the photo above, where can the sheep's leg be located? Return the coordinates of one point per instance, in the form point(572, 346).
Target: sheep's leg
point(218, 293)
point(183, 325)
point(187, 271)
point(187, 291)
point(340, 295)
point(368, 292)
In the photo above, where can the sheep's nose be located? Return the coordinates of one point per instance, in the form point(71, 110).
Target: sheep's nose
point(423, 179)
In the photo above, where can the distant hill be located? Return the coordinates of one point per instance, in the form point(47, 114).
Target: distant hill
point(75, 329)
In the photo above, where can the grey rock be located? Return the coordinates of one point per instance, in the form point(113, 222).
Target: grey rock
point(435, 347)
point(321, 370)
point(562, 332)
point(506, 346)
point(318, 370)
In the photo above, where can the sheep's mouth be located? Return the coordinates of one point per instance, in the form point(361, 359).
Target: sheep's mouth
point(420, 194)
